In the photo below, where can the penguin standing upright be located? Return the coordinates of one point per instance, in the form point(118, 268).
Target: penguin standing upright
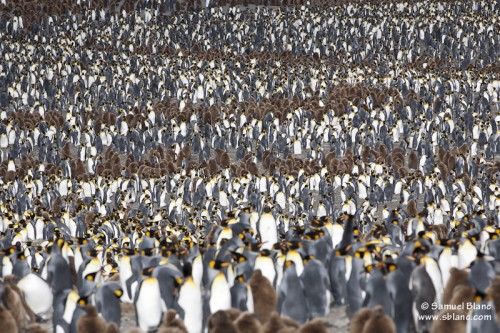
point(241, 295)
point(399, 291)
point(107, 301)
point(265, 263)
point(219, 297)
point(316, 285)
point(190, 301)
point(268, 230)
point(148, 304)
point(425, 289)
point(264, 296)
point(292, 299)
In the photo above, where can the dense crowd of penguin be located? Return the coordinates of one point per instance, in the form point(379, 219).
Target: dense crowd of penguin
point(232, 167)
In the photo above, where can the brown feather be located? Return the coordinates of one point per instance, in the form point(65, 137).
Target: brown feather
point(457, 277)
point(7, 321)
point(248, 323)
point(264, 296)
point(379, 322)
point(360, 319)
point(90, 322)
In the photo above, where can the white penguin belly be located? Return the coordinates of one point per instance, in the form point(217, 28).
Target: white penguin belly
point(190, 300)
point(149, 305)
point(220, 298)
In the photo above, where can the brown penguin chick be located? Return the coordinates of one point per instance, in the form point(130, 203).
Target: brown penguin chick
point(289, 330)
point(220, 322)
point(273, 324)
point(441, 153)
point(15, 302)
point(225, 161)
point(213, 168)
point(318, 325)
point(402, 172)
point(413, 160)
point(233, 313)
point(464, 149)
point(218, 155)
point(66, 151)
point(248, 323)
point(253, 169)
point(441, 230)
point(35, 328)
point(444, 324)
point(444, 171)
point(411, 208)
point(172, 324)
point(359, 320)
point(289, 322)
point(379, 322)
point(382, 149)
point(90, 322)
point(7, 321)
point(457, 277)
point(10, 176)
point(264, 296)
point(462, 295)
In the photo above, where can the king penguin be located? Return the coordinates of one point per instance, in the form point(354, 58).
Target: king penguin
point(107, 301)
point(316, 286)
point(148, 304)
point(268, 230)
point(190, 301)
point(292, 300)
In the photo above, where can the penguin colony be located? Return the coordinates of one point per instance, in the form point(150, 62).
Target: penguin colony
point(239, 168)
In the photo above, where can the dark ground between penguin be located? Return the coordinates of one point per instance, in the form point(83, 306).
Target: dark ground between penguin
point(313, 86)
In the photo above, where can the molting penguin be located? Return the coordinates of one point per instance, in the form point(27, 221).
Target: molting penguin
point(37, 293)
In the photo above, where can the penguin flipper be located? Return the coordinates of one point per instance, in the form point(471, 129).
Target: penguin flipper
point(281, 298)
point(180, 311)
point(128, 284)
point(206, 311)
